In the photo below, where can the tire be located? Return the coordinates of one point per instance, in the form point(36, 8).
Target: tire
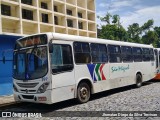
point(83, 92)
point(138, 80)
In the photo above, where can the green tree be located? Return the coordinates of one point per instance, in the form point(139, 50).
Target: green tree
point(146, 26)
point(150, 37)
point(116, 19)
point(157, 30)
point(114, 31)
point(134, 32)
point(106, 18)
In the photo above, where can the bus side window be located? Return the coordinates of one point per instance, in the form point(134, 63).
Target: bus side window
point(146, 54)
point(137, 54)
point(81, 52)
point(156, 55)
point(127, 54)
point(151, 54)
point(114, 54)
point(61, 58)
point(99, 53)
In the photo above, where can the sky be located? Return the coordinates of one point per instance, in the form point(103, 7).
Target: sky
point(130, 11)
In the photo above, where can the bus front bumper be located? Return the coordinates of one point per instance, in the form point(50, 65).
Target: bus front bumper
point(35, 98)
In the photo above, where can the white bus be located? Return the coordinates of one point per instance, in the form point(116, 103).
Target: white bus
point(52, 67)
point(157, 54)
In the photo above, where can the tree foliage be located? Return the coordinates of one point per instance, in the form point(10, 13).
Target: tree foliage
point(113, 30)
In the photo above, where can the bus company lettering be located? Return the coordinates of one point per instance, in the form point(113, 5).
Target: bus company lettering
point(119, 68)
point(96, 71)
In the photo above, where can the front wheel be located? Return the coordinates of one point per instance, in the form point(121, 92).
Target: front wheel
point(138, 80)
point(83, 92)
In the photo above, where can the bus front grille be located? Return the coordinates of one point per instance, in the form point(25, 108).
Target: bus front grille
point(28, 96)
point(27, 85)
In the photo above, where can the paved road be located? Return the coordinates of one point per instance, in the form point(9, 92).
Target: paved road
point(146, 98)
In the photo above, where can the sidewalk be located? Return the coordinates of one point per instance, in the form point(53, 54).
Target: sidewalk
point(6, 100)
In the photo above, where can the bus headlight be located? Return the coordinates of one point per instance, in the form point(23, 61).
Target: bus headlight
point(43, 87)
point(15, 88)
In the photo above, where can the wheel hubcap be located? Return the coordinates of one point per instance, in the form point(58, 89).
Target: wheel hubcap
point(83, 92)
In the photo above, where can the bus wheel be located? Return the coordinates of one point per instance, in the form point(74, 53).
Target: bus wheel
point(138, 80)
point(83, 92)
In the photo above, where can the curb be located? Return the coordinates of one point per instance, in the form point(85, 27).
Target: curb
point(7, 101)
point(7, 104)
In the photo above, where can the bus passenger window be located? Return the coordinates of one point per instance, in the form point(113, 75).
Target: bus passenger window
point(99, 53)
point(146, 54)
point(126, 54)
point(156, 55)
point(114, 53)
point(61, 58)
point(137, 54)
point(151, 54)
point(81, 52)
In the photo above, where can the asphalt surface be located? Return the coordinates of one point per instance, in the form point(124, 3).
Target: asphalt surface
point(138, 101)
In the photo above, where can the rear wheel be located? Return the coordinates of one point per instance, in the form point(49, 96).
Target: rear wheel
point(138, 80)
point(83, 92)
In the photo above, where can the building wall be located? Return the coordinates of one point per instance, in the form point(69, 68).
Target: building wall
point(6, 49)
point(14, 24)
point(82, 14)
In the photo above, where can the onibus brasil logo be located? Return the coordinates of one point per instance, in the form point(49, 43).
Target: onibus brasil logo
point(96, 71)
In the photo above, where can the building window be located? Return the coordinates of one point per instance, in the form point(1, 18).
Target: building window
point(69, 12)
point(55, 8)
point(69, 23)
point(44, 18)
point(27, 14)
point(79, 15)
point(82, 52)
point(28, 2)
point(5, 10)
point(80, 25)
point(55, 20)
point(44, 5)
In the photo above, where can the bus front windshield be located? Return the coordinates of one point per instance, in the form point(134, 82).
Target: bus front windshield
point(30, 63)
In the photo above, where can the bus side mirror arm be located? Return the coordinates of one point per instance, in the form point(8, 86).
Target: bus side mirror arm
point(50, 47)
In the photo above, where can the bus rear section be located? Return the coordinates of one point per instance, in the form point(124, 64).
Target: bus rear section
point(157, 59)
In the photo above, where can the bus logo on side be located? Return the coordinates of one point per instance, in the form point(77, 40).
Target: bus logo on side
point(96, 72)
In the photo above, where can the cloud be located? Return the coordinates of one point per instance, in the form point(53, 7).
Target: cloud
point(130, 11)
point(105, 5)
point(119, 4)
point(141, 16)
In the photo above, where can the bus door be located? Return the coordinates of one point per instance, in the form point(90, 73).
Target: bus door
point(62, 70)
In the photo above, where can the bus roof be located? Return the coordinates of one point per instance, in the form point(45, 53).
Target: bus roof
point(66, 37)
point(157, 49)
point(58, 36)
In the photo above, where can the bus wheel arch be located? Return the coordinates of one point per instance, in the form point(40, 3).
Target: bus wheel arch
point(84, 91)
point(139, 79)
